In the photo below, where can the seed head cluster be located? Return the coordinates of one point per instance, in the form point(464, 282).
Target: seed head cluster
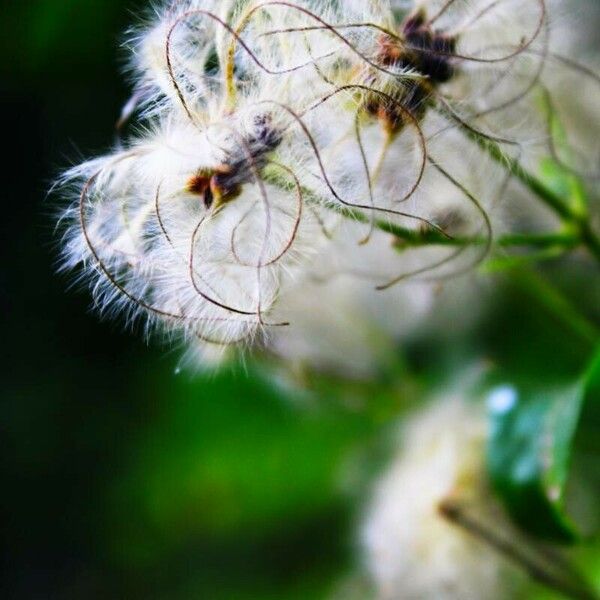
point(257, 129)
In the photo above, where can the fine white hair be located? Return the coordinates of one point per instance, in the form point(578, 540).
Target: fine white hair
point(260, 126)
point(411, 550)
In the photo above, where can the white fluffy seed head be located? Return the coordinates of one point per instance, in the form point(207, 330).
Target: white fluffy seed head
point(411, 551)
point(147, 230)
point(339, 322)
point(261, 123)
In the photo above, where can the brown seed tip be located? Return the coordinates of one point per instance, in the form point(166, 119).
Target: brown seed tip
point(199, 183)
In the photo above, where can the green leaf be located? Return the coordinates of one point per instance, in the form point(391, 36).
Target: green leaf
point(557, 176)
point(531, 442)
point(498, 264)
point(566, 184)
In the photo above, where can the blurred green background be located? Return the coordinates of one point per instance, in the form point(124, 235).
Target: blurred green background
point(121, 478)
point(124, 479)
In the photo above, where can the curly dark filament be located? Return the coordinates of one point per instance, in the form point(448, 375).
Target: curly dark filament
point(106, 271)
point(297, 219)
point(220, 321)
point(441, 12)
point(165, 233)
point(536, 75)
point(192, 273)
point(500, 78)
point(309, 28)
point(316, 66)
point(267, 209)
point(456, 253)
point(232, 244)
point(479, 15)
point(405, 113)
point(589, 74)
point(573, 64)
point(325, 177)
point(582, 70)
point(172, 76)
point(365, 163)
point(324, 25)
point(159, 216)
point(464, 57)
point(486, 10)
point(525, 45)
point(121, 289)
point(236, 36)
point(327, 234)
point(223, 343)
point(449, 112)
point(199, 226)
point(529, 87)
point(486, 222)
point(257, 313)
point(554, 152)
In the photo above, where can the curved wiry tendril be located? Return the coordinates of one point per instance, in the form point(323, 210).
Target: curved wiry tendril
point(405, 113)
point(297, 219)
point(261, 262)
point(159, 218)
point(449, 112)
point(365, 163)
point(477, 17)
point(105, 270)
point(223, 343)
point(192, 274)
point(516, 98)
point(236, 36)
point(324, 25)
point(524, 45)
point(167, 236)
point(454, 255)
point(341, 26)
point(267, 209)
point(487, 224)
point(204, 337)
point(554, 152)
point(112, 278)
point(528, 87)
point(441, 12)
point(325, 177)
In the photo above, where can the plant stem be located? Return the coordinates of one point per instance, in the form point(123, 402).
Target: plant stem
point(555, 575)
point(413, 238)
point(557, 303)
point(426, 237)
point(588, 237)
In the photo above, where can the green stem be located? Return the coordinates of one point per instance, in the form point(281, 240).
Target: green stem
point(532, 283)
point(413, 238)
point(427, 237)
point(588, 237)
point(555, 574)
